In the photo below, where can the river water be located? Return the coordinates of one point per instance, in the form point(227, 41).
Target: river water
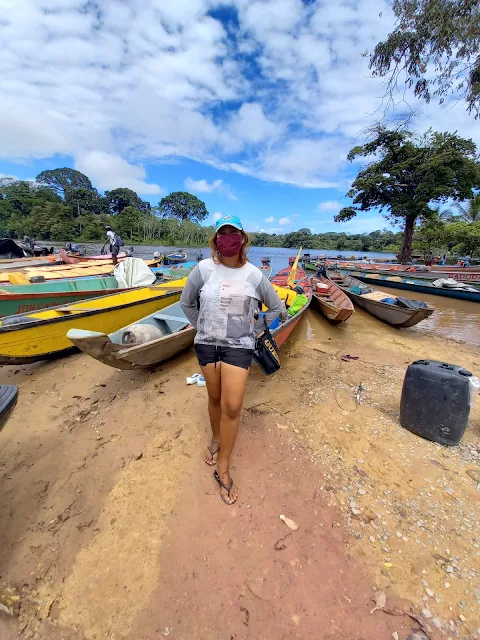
point(454, 319)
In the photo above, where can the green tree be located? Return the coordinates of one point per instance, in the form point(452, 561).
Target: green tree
point(84, 201)
point(119, 199)
point(184, 206)
point(64, 180)
point(129, 222)
point(465, 234)
point(435, 45)
point(47, 221)
point(408, 174)
point(469, 211)
point(17, 199)
point(431, 233)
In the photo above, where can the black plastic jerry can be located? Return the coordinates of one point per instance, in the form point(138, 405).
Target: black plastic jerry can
point(436, 400)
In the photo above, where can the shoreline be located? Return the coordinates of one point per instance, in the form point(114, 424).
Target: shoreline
point(107, 509)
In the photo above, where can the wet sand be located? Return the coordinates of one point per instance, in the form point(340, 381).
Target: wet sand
point(112, 526)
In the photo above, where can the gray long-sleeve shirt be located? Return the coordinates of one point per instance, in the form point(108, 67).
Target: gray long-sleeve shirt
point(220, 303)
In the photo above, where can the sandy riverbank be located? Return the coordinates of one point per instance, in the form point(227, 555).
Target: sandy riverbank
point(112, 527)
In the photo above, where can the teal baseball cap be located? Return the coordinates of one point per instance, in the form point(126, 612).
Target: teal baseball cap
point(233, 221)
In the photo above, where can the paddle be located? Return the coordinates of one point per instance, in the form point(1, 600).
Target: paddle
point(293, 271)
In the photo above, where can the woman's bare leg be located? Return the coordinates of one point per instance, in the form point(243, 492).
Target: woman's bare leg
point(233, 382)
point(212, 378)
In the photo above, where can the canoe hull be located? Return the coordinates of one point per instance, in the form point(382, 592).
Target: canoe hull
point(17, 299)
point(283, 331)
point(423, 288)
point(69, 258)
point(42, 335)
point(142, 356)
point(395, 316)
point(337, 306)
point(23, 303)
point(400, 318)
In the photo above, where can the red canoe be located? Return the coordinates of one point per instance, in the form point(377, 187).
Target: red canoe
point(70, 258)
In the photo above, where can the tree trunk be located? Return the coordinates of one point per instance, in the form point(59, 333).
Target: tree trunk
point(405, 254)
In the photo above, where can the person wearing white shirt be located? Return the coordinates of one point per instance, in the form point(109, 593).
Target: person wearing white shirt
point(114, 246)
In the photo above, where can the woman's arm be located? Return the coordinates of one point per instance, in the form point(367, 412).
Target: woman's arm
point(270, 299)
point(189, 297)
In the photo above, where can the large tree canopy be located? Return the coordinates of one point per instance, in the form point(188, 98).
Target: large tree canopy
point(64, 180)
point(184, 206)
point(119, 199)
point(436, 45)
point(408, 174)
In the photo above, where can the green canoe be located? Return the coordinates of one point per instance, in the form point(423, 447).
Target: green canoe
point(22, 298)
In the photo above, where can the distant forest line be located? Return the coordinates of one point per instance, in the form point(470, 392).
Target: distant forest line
point(63, 205)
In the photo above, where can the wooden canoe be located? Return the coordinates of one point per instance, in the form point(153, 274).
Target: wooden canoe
point(169, 330)
point(285, 328)
point(336, 305)
point(15, 299)
point(417, 284)
point(60, 272)
point(399, 317)
point(8, 400)
point(38, 335)
point(72, 258)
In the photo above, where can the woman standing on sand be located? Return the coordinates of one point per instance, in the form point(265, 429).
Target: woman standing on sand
point(220, 298)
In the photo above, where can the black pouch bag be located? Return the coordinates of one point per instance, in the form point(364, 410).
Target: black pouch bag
point(265, 353)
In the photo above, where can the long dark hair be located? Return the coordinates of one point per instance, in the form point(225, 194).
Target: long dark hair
point(216, 255)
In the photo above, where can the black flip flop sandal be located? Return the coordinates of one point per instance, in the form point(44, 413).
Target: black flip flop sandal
point(212, 453)
point(227, 488)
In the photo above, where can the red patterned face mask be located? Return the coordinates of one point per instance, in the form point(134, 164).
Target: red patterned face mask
point(229, 244)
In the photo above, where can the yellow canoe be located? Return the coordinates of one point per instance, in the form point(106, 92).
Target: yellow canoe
point(38, 335)
point(56, 272)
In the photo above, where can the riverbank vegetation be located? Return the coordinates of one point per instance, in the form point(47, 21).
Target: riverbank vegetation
point(408, 175)
point(62, 205)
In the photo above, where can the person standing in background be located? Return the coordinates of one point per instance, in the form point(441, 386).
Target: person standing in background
point(114, 244)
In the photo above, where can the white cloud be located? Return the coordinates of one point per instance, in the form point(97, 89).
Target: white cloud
point(108, 171)
point(249, 125)
point(270, 219)
point(202, 186)
point(329, 205)
point(76, 82)
point(284, 221)
point(216, 216)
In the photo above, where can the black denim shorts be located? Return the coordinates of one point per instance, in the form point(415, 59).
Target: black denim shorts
point(211, 354)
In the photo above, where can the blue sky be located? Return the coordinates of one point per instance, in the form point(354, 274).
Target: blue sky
point(252, 105)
